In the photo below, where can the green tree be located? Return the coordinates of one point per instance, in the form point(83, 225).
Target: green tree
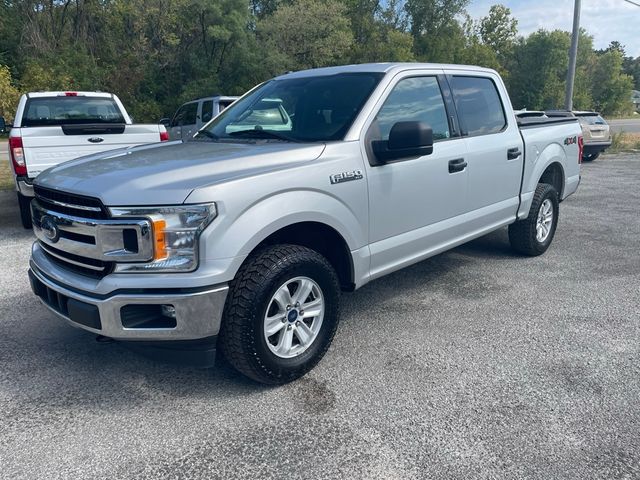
point(377, 33)
point(611, 88)
point(498, 31)
point(631, 66)
point(8, 93)
point(307, 34)
point(437, 34)
point(538, 70)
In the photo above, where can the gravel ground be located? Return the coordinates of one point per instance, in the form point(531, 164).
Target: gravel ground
point(474, 364)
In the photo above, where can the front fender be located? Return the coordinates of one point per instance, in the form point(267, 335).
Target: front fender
point(234, 237)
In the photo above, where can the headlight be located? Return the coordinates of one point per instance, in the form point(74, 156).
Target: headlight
point(176, 230)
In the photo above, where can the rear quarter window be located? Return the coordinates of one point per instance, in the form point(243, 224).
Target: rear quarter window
point(479, 105)
point(48, 111)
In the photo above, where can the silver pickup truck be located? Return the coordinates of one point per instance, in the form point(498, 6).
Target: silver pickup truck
point(243, 238)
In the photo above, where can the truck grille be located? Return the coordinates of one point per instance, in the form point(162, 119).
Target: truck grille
point(77, 233)
point(70, 204)
point(83, 265)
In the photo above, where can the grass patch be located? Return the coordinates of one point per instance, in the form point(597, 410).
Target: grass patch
point(6, 175)
point(625, 142)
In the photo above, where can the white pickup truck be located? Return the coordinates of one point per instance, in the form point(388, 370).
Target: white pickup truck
point(245, 237)
point(53, 127)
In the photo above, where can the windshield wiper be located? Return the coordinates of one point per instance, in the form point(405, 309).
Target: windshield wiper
point(255, 133)
point(208, 134)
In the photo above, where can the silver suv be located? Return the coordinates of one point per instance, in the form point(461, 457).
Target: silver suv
point(596, 133)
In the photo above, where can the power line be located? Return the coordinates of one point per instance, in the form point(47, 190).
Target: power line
point(632, 3)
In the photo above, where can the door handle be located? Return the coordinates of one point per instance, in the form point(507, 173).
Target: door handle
point(457, 165)
point(513, 153)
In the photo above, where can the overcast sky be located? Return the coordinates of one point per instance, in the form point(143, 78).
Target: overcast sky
point(605, 20)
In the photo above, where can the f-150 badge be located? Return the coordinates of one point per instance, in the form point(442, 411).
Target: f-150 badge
point(346, 176)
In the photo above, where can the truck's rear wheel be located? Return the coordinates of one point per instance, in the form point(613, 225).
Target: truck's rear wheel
point(590, 157)
point(533, 235)
point(281, 314)
point(25, 210)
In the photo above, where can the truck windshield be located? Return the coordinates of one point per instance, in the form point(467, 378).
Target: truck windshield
point(63, 110)
point(308, 109)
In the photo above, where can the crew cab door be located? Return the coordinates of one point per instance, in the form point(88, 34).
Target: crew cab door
point(183, 123)
point(413, 200)
point(494, 145)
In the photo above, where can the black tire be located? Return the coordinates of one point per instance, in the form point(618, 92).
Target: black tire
point(590, 157)
point(522, 234)
point(242, 338)
point(25, 211)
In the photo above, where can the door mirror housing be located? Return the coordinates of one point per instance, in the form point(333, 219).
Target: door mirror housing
point(406, 139)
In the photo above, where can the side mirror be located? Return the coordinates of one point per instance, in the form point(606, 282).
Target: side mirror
point(165, 121)
point(3, 125)
point(406, 139)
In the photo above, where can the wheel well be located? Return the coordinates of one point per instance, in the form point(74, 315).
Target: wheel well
point(324, 240)
point(554, 175)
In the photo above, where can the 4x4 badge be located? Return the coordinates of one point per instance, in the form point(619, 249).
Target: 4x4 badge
point(346, 176)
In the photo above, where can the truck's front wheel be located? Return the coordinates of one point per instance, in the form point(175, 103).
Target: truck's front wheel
point(281, 314)
point(25, 210)
point(533, 235)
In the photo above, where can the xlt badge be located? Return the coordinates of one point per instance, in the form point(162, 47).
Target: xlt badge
point(346, 176)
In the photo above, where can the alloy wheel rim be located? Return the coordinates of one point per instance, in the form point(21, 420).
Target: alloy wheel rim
point(544, 222)
point(294, 317)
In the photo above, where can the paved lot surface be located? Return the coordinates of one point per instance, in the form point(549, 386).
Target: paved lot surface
point(474, 364)
point(631, 125)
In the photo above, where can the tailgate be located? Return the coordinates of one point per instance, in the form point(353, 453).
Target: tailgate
point(47, 146)
point(598, 132)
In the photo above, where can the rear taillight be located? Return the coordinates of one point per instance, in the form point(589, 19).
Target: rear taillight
point(580, 148)
point(70, 94)
point(164, 135)
point(16, 153)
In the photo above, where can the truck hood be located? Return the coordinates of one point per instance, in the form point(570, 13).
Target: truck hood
point(165, 174)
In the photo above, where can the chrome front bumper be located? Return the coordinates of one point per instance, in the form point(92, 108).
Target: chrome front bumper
point(198, 312)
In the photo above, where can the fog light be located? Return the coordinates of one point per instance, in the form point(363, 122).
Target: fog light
point(169, 311)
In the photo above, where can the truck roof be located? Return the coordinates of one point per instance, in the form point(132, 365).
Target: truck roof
point(381, 68)
point(219, 98)
point(67, 92)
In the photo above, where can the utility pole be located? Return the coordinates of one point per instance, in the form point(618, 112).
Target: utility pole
point(573, 53)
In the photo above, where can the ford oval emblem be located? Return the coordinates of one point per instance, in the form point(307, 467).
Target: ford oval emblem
point(96, 139)
point(50, 229)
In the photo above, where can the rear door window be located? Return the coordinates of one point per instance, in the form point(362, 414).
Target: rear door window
point(224, 104)
point(207, 110)
point(479, 106)
point(68, 110)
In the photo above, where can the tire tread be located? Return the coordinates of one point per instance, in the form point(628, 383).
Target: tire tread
point(236, 340)
point(522, 234)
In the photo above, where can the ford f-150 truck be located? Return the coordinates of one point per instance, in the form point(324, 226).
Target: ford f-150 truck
point(244, 238)
point(52, 127)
